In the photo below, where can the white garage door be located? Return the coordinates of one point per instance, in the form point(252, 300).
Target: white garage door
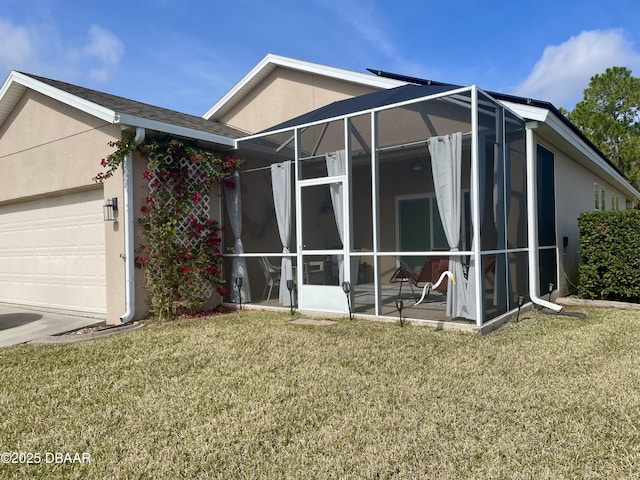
point(52, 253)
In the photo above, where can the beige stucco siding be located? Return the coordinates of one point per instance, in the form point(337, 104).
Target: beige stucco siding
point(46, 147)
point(574, 186)
point(285, 94)
point(114, 252)
point(140, 193)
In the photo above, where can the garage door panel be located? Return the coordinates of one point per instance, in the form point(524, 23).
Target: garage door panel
point(73, 266)
point(52, 253)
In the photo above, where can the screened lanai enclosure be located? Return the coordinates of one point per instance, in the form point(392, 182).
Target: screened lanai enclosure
point(373, 198)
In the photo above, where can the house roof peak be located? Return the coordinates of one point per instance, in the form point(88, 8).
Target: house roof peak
point(272, 61)
point(114, 109)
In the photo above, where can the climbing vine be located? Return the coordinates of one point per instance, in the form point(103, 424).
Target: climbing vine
point(180, 254)
point(112, 162)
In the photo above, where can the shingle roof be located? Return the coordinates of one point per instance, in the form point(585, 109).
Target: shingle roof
point(126, 106)
point(365, 102)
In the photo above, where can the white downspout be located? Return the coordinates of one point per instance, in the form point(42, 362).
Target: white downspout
point(532, 222)
point(129, 253)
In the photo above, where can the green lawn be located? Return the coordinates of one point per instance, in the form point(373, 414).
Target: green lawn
point(249, 395)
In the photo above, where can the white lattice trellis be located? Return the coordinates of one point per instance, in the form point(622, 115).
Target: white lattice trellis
point(200, 209)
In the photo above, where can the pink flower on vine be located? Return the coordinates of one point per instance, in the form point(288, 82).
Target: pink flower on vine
point(212, 270)
point(142, 261)
point(230, 162)
point(229, 183)
point(144, 209)
point(197, 197)
point(184, 270)
point(147, 175)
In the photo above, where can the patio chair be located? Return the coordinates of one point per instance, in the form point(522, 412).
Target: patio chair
point(271, 277)
point(431, 270)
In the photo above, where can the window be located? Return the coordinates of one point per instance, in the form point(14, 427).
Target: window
point(419, 228)
point(599, 197)
point(548, 267)
point(615, 202)
point(546, 197)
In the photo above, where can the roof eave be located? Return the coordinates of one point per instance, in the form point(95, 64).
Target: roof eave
point(134, 121)
point(593, 159)
point(609, 170)
point(17, 78)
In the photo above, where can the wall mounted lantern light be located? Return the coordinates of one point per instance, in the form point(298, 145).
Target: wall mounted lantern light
point(110, 209)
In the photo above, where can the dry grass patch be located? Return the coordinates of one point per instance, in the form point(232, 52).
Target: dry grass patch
point(249, 395)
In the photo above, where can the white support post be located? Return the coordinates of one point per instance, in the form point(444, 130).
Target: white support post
point(375, 202)
point(475, 207)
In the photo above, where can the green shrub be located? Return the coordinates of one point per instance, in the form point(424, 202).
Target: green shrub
point(610, 251)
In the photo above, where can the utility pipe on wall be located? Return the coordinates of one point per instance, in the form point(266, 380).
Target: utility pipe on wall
point(129, 254)
point(532, 223)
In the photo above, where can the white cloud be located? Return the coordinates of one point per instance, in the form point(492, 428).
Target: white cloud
point(39, 47)
point(106, 48)
point(16, 48)
point(564, 71)
point(369, 23)
point(364, 19)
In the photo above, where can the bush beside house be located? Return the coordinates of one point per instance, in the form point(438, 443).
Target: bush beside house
point(610, 251)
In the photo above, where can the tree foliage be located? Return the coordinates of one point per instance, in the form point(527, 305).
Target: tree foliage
point(609, 115)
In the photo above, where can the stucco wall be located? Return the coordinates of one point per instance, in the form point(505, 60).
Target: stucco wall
point(140, 193)
point(114, 252)
point(285, 94)
point(574, 195)
point(47, 148)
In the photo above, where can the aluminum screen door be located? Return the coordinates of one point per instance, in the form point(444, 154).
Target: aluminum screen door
point(321, 253)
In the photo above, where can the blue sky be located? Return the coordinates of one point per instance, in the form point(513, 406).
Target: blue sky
point(185, 55)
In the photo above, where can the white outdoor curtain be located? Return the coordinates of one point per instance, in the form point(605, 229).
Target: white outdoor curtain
point(336, 166)
point(281, 186)
point(238, 264)
point(446, 166)
point(479, 196)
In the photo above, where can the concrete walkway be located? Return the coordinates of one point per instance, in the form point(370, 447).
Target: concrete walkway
point(22, 325)
point(570, 301)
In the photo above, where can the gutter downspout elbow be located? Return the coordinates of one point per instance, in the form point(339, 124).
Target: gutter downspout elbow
point(129, 254)
point(532, 224)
